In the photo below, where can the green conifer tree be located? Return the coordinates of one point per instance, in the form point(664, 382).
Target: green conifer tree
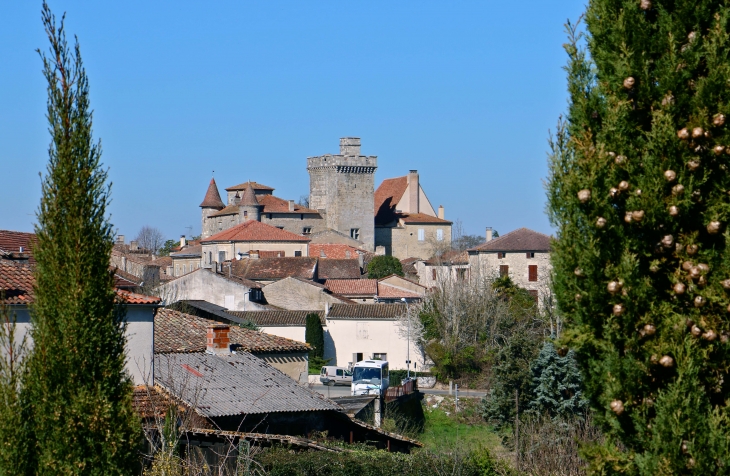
point(77, 395)
point(314, 336)
point(638, 192)
point(557, 384)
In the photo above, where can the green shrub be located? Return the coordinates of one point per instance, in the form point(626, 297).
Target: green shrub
point(382, 266)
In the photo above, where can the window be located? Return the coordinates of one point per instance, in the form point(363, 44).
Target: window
point(245, 214)
point(210, 257)
point(421, 234)
point(307, 230)
point(221, 256)
point(533, 293)
point(433, 273)
point(220, 225)
point(183, 269)
point(440, 234)
point(532, 272)
point(529, 255)
point(297, 253)
point(382, 356)
point(461, 274)
point(355, 233)
point(503, 270)
point(501, 255)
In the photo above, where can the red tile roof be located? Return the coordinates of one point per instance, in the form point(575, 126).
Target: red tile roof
point(16, 283)
point(248, 198)
point(334, 250)
point(274, 204)
point(275, 268)
point(229, 210)
point(338, 269)
point(12, 241)
point(352, 287)
point(387, 197)
point(253, 230)
point(420, 218)
point(278, 318)
point(522, 239)
point(242, 186)
point(179, 332)
point(449, 258)
point(212, 197)
point(392, 292)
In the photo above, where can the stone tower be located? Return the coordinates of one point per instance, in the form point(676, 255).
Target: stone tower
point(248, 205)
point(212, 203)
point(341, 187)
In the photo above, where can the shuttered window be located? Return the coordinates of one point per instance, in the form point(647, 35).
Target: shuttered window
point(501, 255)
point(421, 234)
point(532, 274)
point(503, 270)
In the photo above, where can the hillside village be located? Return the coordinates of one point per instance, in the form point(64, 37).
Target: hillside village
point(241, 292)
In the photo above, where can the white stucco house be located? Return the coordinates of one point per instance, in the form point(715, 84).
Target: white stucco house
point(16, 283)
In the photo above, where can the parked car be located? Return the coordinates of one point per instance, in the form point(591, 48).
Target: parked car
point(331, 375)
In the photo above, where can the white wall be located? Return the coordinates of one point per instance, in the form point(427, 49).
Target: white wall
point(140, 339)
point(205, 285)
point(368, 336)
point(290, 332)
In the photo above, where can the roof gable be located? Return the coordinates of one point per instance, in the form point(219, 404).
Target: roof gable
point(387, 197)
point(522, 239)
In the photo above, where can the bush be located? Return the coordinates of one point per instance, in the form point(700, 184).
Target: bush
point(382, 266)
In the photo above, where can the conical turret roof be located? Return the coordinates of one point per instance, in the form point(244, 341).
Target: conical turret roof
point(212, 197)
point(249, 197)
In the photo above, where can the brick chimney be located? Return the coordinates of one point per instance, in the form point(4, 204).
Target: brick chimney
point(414, 192)
point(350, 146)
point(218, 341)
point(489, 233)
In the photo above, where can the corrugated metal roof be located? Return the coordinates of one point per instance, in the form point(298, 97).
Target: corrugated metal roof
point(237, 384)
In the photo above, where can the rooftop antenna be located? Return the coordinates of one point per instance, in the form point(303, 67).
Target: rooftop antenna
point(190, 229)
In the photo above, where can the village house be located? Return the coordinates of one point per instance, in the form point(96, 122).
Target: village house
point(293, 293)
point(390, 289)
point(16, 283)
point(522, 254)
point(268, 270)
point(179, 332)
point(185, 258)
point(450, 266)
point(406, 224)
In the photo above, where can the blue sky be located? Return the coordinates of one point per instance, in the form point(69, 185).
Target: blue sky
point(464, 92)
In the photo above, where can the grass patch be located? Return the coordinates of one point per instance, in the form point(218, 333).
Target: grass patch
point(446, 428)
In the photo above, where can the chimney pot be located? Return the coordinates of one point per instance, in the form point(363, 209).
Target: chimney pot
point(218, 342)
point(489, 233)
point(350, 146)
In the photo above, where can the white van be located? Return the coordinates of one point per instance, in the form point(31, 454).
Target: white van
point(331, 375)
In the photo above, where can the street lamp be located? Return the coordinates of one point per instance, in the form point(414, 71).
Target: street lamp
point(408, 350)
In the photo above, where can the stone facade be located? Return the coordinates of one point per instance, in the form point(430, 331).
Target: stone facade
point(342, 187)
point(297, 295)
point(404, 240)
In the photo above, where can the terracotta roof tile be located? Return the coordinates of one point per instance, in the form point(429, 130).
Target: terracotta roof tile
point(188, 251)
point(387, 197)
point(212, 197)
point(12, 241)
point(334, 250)
point(338, 269)
point(229, 210)
point(393, 292)
point(274, 204)
point(352, 287)
point(16, 283)
point(253, 230)
point(242, 186)
point(277, 318)
point(179, 332)
point(522, 239)
point(363, 311)
point(275, 268)
point(449, 258)
point(134, 298)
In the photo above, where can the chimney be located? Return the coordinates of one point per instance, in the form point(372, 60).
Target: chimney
point(133, 246)
point(326, 309)
point(120, 239)
point(441, 212)
point(183, 242)
point(350, 146)
point(291, 205)
point(489, 233)
point(218, 342)
point(414, 192)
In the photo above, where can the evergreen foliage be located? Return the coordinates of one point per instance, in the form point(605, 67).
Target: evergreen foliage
point(557, 383)
point(382, 266)
point(638, 192)
point(314, 336)
point(77, 396)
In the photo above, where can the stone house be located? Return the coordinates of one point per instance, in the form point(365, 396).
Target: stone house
point(17, 281)
point(406, 224)
point(178, 332)
point(522, 254)
point(391, 289)
point(185, 258)
point(293, 293)
point(228, 291)
point(450, 266)
point(251, 237)
point(268, 270)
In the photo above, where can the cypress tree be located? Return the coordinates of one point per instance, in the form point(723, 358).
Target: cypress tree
point(77, 395)
point(314, 336)
point(638, 192)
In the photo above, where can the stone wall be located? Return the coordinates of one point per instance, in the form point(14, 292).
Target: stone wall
point(293, 294)
point(404, 243)
point(231, 249)
point(183, 266)
point(487, 264)
point(208, 286)
point(295, 222)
